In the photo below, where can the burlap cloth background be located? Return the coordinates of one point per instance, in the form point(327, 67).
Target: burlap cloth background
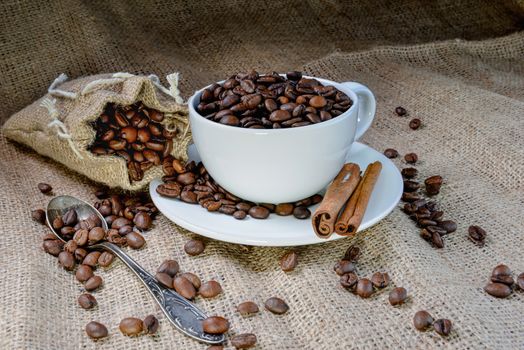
point(458, 65)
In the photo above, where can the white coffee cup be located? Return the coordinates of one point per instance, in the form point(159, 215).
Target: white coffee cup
point(281, 165)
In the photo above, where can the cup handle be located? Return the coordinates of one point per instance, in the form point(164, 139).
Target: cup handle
point(367, 106)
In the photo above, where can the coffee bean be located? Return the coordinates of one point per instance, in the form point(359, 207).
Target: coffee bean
point(344, 266)
point(294, 75)
point(301, 213)
point(380, 279)
point(409, 173)
point(96, 234)
point(188, 197)
point(289, 261)
point(239, 214)
point(105, 259)
point(411, 186)
point(83, 273)
point(411, 158)
point(93, 283)
point(401, 111)
point(279, 116)
point(53, 246)
point(87, 301)
point(171, 190)
point(70, 246)
point(184, 287)
point(433, 184)
point(391, 153)
point(151, 324)
point(96, 330)
point(69, 218)
point(194, 247)
point(210, 289)
point(91, 259)
point(415, 123)
point(258, 212)
point(135, 240)
point(57, 223)
point(364, 288)
point(276, 305)
point(120, 222)
point(142, 220)
point(67, 260)
point(38, 215)
point(244, 341)
point(410, 197)
point(215, 347)
point(215, 325)
point(422, 320)
point(352, 253)
point(442, 326)
point(436, 239)
point(448, 225)
point(247, 307)
point(477, 234)
point(505, 279)
point(349, 280)
point(317, 102)
point(520, 281)
point(164, 279)
point(398, 296)
point(131, 326)
point(169, 267)
point(45, 188)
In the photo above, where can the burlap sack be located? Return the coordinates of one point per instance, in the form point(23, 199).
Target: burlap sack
point(58, 124)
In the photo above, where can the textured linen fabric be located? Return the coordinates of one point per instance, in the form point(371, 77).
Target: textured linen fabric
point(456, 65)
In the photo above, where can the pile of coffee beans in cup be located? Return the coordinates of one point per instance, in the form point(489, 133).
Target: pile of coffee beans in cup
point(192, 184)
point(271, 101)
point(135, 133)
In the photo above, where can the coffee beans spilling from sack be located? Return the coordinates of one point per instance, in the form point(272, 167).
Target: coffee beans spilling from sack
point(271, 101)
point(134, 133)
point(192, 184)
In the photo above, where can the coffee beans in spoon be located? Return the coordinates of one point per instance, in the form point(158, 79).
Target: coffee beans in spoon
point(271, 101)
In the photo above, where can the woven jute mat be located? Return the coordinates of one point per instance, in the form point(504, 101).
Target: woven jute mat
point(468, 92)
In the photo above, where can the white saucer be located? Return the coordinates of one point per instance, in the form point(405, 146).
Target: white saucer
point(281, 230)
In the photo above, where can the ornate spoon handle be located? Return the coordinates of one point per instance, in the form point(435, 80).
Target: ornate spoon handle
point(185, 316)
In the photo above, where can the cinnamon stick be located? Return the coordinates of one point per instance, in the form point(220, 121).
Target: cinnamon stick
point(352, 216)
point(336, 195)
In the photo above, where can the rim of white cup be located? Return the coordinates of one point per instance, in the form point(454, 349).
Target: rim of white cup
point(338, 119)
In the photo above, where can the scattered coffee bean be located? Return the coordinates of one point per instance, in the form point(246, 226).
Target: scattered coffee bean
point(349, 280)
point(67, 260)
point(38, 215)
point(501, 271)
point(401, 111)
point(131, 326)
point(87, 301)
point(498, 290)
point(380, 279)
point(422, 320)
point(301, 213)
point(91, 259)
point(477, 235)
point(151, 324)
point(164, 279)
point(411, 186)
point(96, 330)
point(93, 283)
point(169, 267)
point(448, 225)
point(289, 261)
point(442, 326)
point(194, 247)
point(411, 158)
point(364, 288)
point(520, 281)
point(247, 307)
point(135, 240)
point(276, 306)
point(391, 153)
point(45, 188)
point(105, 259)
point(210, 289)
point(415, 123)
point(258, 212)
point(184, 287)
point(53, 246)
point(83, 273)
point(397, 296)
point(96, 234)
point(215, 325)
point(409, 173)
point(244, 341)
point(142, 220)
point(344, 266)
point(433, 184)
point(352, 254)
point(193, 279)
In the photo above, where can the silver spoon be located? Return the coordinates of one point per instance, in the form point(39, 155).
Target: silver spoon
point(185, 316)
